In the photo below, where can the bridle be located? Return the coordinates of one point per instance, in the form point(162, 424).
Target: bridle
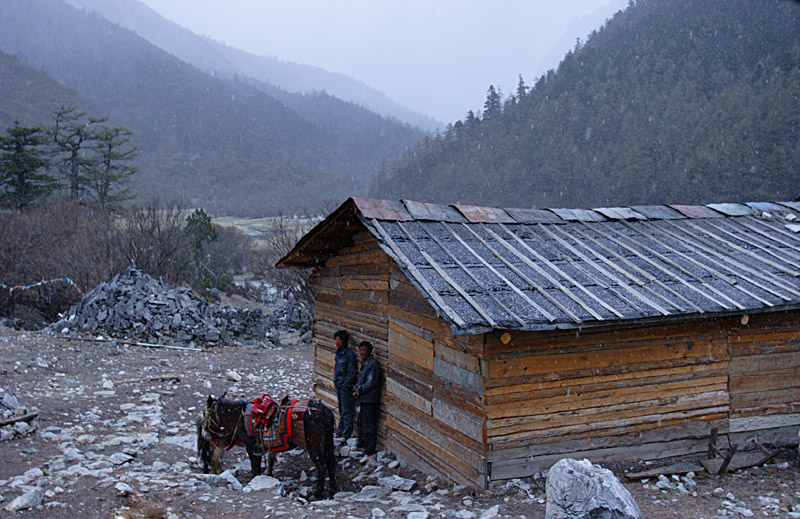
point(215, 431)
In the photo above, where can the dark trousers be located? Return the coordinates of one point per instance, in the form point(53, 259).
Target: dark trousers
point(368, 428)
point(345, 398)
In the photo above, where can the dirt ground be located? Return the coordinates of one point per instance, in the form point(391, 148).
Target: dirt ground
point(115, 439)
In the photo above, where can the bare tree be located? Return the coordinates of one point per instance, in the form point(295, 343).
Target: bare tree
point(292, 283)
point(153, 238)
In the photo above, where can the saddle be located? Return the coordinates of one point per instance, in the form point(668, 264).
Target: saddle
point(272, 423)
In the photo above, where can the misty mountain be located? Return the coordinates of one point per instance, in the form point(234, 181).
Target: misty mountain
point(580, 25)
point(225, 61)
point(221, 143)
point(672, 101)
point(28, 95)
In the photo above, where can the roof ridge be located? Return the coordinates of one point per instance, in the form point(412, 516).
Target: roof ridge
point(409, 210)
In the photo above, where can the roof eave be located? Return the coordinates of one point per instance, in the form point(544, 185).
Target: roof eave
point(302, 255)
point(478, 329)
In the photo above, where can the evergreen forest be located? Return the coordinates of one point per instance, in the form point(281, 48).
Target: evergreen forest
point(671, 101)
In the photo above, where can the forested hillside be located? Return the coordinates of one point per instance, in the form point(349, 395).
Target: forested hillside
point(672, 101)
point(28, 95)
point(221, 144)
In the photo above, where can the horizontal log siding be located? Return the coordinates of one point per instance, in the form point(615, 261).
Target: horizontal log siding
point(351, 293)
point(626, 393)
point(434, 406)
point(765, 377)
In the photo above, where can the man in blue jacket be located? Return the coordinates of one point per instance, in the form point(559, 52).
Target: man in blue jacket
point(344, 379)
point(368, 391)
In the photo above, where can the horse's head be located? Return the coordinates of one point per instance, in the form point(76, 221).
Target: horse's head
point(211, 418)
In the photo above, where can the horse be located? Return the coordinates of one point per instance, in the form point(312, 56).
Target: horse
point(223, 427)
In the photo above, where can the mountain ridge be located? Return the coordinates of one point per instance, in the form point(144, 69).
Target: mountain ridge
point(668, 102)
point(218, 58)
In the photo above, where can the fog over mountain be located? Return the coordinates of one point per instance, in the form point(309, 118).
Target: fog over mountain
point(223, 60)
point(437, 58)
point(658, 103)
point(224, 144)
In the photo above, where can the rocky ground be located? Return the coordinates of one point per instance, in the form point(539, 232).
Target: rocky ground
point(115, 439)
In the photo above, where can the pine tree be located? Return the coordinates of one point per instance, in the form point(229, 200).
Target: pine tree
point(108, 177)
point(201, 231)
point(522, 89)
point(22, 161)
point(492, 108)
point(73, 135)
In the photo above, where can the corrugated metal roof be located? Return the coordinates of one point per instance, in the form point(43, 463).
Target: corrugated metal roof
point(477, 214)
point(558, 268)
point(424, 211)
point(696, 211)
point(620, 213)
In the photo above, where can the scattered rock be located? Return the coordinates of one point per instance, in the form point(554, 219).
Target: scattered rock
point(33, 497)
point(261, 482)
point(123, 489)
point(397, 483)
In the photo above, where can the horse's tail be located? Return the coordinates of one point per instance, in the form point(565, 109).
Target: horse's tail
point(328, 456)
point(330, 426)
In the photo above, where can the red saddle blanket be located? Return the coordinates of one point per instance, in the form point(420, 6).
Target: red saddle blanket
point(262, 409)
point(279, 424)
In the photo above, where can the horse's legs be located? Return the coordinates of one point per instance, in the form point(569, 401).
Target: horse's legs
point(326, 452)
point(320, 464)
point(270, 462)
point(255, 460)
point(216, 460)
point(330, 461)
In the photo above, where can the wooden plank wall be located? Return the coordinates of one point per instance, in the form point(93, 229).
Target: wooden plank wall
point(352, 293)
point(643, 392)
point(765, 378)
point(432, 413)
point(434, 390)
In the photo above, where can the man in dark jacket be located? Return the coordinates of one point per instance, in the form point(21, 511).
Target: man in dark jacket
point(368, 391)
point(344, 378)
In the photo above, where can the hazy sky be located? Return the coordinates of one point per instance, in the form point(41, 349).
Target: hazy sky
point(437, 57)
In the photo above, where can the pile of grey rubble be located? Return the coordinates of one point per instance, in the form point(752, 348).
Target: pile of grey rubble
point(136, 306)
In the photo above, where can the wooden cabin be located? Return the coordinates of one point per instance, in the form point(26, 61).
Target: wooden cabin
point(510, 338)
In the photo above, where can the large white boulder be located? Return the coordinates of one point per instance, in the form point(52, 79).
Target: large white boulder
point(581, 490)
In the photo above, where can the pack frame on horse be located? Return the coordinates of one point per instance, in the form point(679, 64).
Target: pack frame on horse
point(225, 425)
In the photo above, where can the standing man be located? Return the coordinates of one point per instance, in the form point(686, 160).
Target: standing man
point(368, 391)
point(344, 378)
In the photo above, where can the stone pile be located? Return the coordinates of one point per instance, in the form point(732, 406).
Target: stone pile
point(134, 305)
point(288, 313)
point(17, 420)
